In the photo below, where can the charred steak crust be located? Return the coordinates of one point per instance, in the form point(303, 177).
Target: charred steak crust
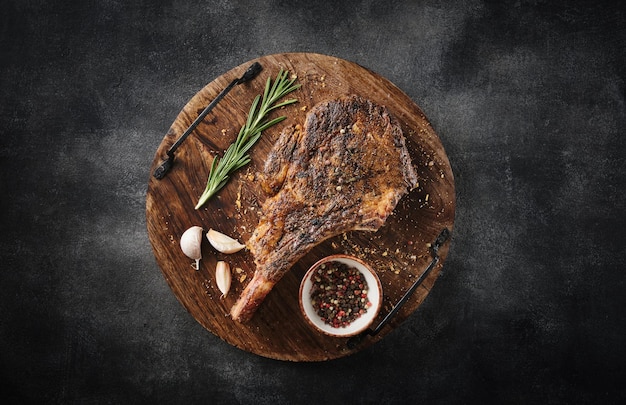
point(345, 170)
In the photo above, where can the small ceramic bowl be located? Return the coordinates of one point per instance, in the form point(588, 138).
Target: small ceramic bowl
point(374, 294)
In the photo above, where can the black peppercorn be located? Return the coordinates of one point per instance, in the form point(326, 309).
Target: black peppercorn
point(339, 294)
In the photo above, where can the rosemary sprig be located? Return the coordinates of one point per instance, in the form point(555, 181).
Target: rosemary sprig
point(236, 156)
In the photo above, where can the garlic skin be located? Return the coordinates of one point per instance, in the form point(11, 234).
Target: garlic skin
point(191, 244)
point(223, 243)
point(223, 277)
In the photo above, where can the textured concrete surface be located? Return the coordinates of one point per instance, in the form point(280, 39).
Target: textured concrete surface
point(527, 97)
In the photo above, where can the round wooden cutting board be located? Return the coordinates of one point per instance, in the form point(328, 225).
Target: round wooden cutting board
point(398, 251)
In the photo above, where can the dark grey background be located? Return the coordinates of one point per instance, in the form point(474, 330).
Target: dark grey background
point(527, 97)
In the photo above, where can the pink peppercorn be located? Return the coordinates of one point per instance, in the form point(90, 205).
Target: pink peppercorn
point(339, 294)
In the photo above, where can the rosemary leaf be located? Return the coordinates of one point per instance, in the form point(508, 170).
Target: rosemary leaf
point(236, 156)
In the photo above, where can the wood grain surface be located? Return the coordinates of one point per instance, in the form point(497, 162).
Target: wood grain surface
point(398, 251)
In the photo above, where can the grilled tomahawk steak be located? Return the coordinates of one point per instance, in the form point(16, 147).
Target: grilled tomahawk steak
point(345, 170)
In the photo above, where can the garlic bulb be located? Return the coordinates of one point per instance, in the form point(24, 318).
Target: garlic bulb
point(223, 277)
point(190, 244)
point(223, 243)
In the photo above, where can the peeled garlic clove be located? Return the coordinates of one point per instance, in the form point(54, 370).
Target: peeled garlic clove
point(191, 244)
point(223, 277)
point(223, 243)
